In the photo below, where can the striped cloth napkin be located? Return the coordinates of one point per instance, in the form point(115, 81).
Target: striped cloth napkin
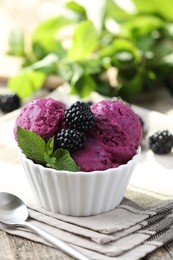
point(127, 232)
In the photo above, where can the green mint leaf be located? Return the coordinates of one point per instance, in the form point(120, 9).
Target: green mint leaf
point(83, 86)
point(78, 9)
point(85, 41)
point(49, 28)
point(44, 40)
point(29, 80)
point(32, 145)
point(49, 146)
point(61, 160)
point(114, 11)
point(16, 43)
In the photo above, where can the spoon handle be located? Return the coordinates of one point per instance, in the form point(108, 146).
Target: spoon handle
point(58, 243)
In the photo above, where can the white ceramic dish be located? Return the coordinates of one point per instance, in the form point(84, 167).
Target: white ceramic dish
point(78, 193)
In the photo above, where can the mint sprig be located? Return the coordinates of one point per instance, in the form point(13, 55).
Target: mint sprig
point(32, 145)
point(39, 151)
point(61, 160)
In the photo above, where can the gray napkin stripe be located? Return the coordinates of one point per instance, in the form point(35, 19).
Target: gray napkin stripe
point(135, 228)
point(166, 237)
point(152, 220)
point(162, 231)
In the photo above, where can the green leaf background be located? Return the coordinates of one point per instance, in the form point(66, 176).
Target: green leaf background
point(26, 83)
point(84, 42)
point(140, 50)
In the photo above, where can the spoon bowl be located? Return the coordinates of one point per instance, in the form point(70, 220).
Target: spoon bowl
point(14, 212)
point(12, 209)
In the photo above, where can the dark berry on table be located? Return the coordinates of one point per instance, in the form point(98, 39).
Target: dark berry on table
point(161, 142)
point(9, 102)
point(70, 139)
point(79, 116)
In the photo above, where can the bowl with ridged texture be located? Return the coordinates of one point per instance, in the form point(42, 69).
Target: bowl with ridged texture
point(78, 193)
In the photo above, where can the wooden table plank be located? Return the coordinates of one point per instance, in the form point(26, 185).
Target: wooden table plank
point(15, 248)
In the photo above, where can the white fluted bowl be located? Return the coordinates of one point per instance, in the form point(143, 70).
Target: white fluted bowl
point(78, 193)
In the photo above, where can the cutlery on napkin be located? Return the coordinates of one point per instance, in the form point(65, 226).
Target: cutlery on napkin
point(127, 232)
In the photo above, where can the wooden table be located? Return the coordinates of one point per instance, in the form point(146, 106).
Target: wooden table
point(14, 248)
point(13, 180)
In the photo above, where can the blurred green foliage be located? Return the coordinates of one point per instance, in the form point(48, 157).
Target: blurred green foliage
point(136, 47)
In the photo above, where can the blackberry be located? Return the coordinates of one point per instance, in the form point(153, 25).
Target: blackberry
point(161, 142)
point(70, 139)
point(79, 116)
point(9, 102)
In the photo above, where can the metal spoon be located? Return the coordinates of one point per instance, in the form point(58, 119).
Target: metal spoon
point(14, 212)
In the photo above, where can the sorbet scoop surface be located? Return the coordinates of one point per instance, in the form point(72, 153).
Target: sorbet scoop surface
point(115, 138)
point(42, 116)
point(112, 141)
